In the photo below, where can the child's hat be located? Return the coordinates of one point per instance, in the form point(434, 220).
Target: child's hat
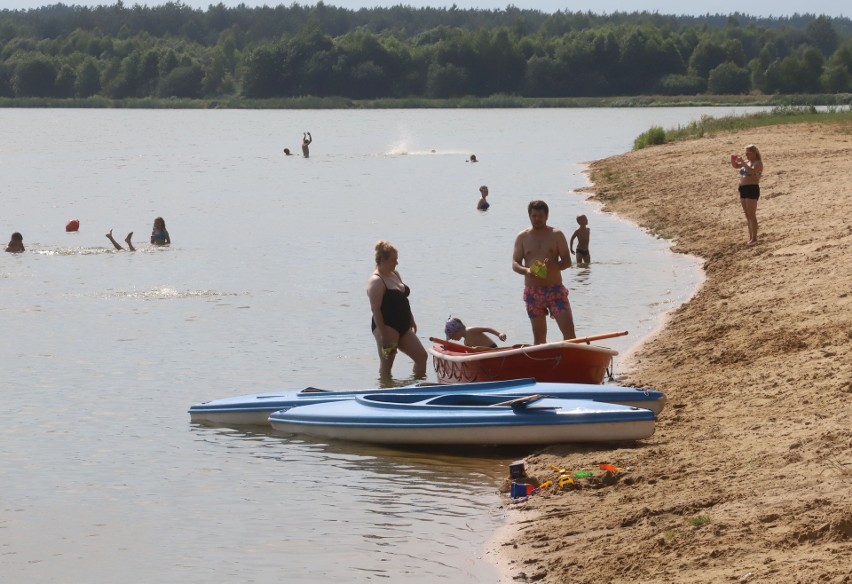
point(453, 326)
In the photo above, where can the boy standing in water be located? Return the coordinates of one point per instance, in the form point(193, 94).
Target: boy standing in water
point(582, 236)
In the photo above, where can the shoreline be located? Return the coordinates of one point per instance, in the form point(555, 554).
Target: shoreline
point(629, 361)
point(749, 473)
point(498, 101)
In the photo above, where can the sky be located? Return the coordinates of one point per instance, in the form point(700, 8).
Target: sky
point(678, 7)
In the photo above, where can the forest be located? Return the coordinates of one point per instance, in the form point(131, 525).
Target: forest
point(175, 51)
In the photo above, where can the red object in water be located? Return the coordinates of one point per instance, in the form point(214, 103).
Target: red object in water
point(72, 225)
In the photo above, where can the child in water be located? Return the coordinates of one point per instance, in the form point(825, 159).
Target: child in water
point(16, 244)
point(582, 236)
point(159, 234)
point(126, 239)
point(474, 336)
point(482, 203)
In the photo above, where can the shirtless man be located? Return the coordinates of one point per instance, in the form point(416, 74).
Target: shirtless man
point(544, 293)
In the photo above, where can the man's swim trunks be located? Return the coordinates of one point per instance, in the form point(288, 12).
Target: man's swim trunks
point(543, 299)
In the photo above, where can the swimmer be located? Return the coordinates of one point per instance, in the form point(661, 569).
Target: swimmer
point(16, 243)
point(483, 204)
point(118, 245)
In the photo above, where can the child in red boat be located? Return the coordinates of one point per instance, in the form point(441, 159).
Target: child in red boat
point(474, 336)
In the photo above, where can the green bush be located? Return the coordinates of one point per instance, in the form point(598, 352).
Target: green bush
point(656, 135)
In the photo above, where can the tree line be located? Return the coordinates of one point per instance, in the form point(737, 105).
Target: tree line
point(174, 50)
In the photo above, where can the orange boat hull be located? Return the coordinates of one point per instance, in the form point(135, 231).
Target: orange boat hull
point(555, 362)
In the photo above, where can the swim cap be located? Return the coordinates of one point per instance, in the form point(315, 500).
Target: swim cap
point(453, 326)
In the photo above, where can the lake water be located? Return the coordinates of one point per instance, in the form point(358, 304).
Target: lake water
point(103, 476)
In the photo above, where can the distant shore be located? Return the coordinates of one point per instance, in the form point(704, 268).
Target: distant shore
point(494, 101)
point(748, 477)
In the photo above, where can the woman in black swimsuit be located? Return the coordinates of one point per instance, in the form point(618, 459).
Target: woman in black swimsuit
point(393, 324)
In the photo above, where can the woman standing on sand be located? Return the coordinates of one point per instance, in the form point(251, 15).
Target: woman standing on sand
point(751, 170)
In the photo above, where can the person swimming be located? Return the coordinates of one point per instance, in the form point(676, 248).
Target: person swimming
point(159, 234)
point(16, 243)
point(482, 204)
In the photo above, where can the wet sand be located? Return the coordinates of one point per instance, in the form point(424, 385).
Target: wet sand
point(748, 477)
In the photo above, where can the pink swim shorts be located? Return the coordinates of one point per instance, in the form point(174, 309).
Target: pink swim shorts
point(543, 299)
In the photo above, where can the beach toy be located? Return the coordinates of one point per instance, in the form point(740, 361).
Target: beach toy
point(516, 469)
point(389, 349)
point(539, 269)
point(72, 225)
point(565, 480)
point(583, 474)
point(521, 490)
point(611, 468)
point(544, 485)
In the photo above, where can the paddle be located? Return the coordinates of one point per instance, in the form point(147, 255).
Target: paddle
point(520, 401)
point(597, 337)
point(459, 348)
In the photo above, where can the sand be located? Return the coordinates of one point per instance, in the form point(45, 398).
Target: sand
point(748, 477)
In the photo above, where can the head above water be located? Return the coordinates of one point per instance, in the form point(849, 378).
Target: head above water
point(16, 244)
point(159, 223)
point(384, 251)
point(582, 220)
point(473, 158)
point(483, 190)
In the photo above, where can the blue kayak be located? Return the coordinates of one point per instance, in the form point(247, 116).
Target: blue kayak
point(254, 409)
point(466, 419)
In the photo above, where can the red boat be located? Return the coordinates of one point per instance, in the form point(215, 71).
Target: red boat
point(572, 361)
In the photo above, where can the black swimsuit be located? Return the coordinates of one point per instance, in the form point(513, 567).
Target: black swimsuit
point(396, 311)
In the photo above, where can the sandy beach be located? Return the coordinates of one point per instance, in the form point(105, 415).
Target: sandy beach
point(748, 477)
